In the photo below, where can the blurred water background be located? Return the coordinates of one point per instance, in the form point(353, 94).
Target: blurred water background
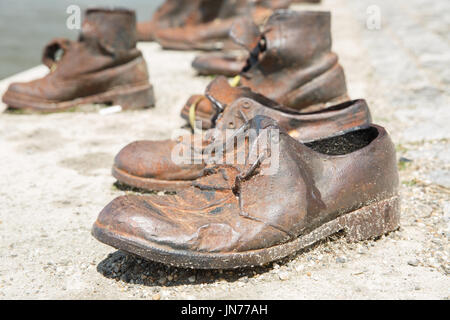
point(26, 26)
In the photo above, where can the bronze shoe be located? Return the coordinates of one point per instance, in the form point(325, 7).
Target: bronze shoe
point(291, 62)
point(246, 34)
point(209, 27)
point(237, 216)
point(102, 67)
point(174, 14)
point(171, 14)
point(149, 165)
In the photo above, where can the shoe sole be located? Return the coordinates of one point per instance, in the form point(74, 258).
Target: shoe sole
point(365, 223)
point(149, 183)
point(129, 97)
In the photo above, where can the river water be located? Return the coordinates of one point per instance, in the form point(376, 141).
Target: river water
point(26, 26)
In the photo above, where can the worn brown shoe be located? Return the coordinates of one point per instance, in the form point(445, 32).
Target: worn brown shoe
point(228, 64)
point(149, 165)
point(184, 13)
point(246, 34)
point(175, 14)
point(240, 216)
point(172, 13)
point(292, 63)
point(208, 28)
point(103, 66)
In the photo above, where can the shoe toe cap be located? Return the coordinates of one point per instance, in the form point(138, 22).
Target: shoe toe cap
point(156, 221)
point(154, 159)
point(143, 219)
point(21, 88)
point(146, 159)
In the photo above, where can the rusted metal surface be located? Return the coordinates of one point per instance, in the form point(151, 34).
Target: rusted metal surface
point(182, 13)
point(224, 63)
point(171, 14)
point(103, 66)
point(148, 164)
point(246, 34)
point(202, 24)
point(236, 216)
point(344, 117)
point(292, 64)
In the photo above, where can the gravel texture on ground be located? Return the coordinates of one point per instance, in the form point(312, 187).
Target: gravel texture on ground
point(55, 179)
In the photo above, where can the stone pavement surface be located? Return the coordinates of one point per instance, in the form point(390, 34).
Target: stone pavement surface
point(56, 178)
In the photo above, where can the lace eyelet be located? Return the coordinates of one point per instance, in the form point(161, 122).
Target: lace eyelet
point(246, 104)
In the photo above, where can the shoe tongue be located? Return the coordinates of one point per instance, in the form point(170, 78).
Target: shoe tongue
point(217, 178)
point(245, 33)
point(239, 152)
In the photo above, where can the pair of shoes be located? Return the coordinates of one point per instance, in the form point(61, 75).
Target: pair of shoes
point(104, 67)
point(230, 215)
point(230, 63)
point(271, 175)
point(301, 178)
point(202, 24)
point(278, 168)
point(149, 164)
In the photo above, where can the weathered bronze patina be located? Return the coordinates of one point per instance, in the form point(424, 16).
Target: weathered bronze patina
point(236, 216)
point(103, 66)
point(291, 63)
point(149, 164)
point(202, 24)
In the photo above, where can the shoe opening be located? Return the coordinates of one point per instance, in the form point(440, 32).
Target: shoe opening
point(346, 143)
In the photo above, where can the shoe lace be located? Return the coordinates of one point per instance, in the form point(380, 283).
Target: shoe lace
point(248, 172)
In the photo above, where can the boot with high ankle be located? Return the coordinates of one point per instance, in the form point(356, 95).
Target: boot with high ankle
point(184, 13)
point(102, 67)
point(207, 27)
point(291, 63)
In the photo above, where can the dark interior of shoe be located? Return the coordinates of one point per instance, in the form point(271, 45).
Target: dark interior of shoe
point(346, 143)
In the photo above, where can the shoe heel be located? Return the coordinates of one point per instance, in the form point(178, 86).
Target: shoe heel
point(136, 98)
point(373, 220)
